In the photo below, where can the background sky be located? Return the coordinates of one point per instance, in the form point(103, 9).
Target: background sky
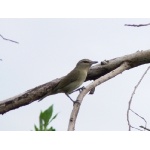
point(50, 48)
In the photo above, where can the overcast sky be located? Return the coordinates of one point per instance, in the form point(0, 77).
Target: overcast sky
point(50, 48)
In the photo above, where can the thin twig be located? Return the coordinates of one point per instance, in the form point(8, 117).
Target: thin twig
point(144, 128)
point(137, 25)
point(8, 39)
point(136, 128)
point(95, 83)
point(140, 117)
point(130, 101)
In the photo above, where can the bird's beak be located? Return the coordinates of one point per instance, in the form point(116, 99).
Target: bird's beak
point(94, 62)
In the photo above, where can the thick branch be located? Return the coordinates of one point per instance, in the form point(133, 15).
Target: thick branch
point(135, 59)
point(97, 82)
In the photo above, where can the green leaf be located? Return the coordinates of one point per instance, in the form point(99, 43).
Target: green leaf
point(46, 115)
point(41, 121)
point(36, 128)
point(53, 118)
point(45, 118)
point(51, 129)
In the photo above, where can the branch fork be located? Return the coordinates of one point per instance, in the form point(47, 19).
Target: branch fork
point(76, 107)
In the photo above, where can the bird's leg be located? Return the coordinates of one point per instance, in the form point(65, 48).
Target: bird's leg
point(79, 89)
point(72, 99)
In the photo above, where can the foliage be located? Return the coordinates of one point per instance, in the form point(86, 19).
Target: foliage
point(45, 119)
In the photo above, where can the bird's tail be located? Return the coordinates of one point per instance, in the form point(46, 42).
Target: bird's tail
point(54, 91)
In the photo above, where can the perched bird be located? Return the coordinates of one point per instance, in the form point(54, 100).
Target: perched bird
point(74, 79)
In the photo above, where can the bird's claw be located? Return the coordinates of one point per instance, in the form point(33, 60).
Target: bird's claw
point(81, 89)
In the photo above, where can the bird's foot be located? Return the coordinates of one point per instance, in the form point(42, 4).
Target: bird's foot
point(81, 89)
point(74, 102)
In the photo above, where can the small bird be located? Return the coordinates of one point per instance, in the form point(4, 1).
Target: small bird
point(74, 79)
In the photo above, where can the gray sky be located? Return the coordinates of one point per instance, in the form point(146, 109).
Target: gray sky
point(50, 48)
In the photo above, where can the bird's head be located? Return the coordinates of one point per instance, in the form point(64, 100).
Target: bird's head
point(85, 63)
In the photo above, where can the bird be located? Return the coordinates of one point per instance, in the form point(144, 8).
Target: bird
point(73, 79)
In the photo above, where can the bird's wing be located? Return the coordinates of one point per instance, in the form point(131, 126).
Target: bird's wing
point(69, 78)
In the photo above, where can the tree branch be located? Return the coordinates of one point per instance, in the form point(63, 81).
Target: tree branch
point(130, 101)
point(135, 59)
point(8, 39)
point(144, 128)
point(137, 25)
point(97, 82)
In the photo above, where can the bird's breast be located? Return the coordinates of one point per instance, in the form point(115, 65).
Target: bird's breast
point(71, 81)
point(78, 82)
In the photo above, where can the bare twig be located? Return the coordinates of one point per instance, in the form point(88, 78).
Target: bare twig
point(97, 82)
point(144, 128)
point(136, 128)
point(130, 101)
point(140, 117)
point(8, 39)
point(137, 25)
